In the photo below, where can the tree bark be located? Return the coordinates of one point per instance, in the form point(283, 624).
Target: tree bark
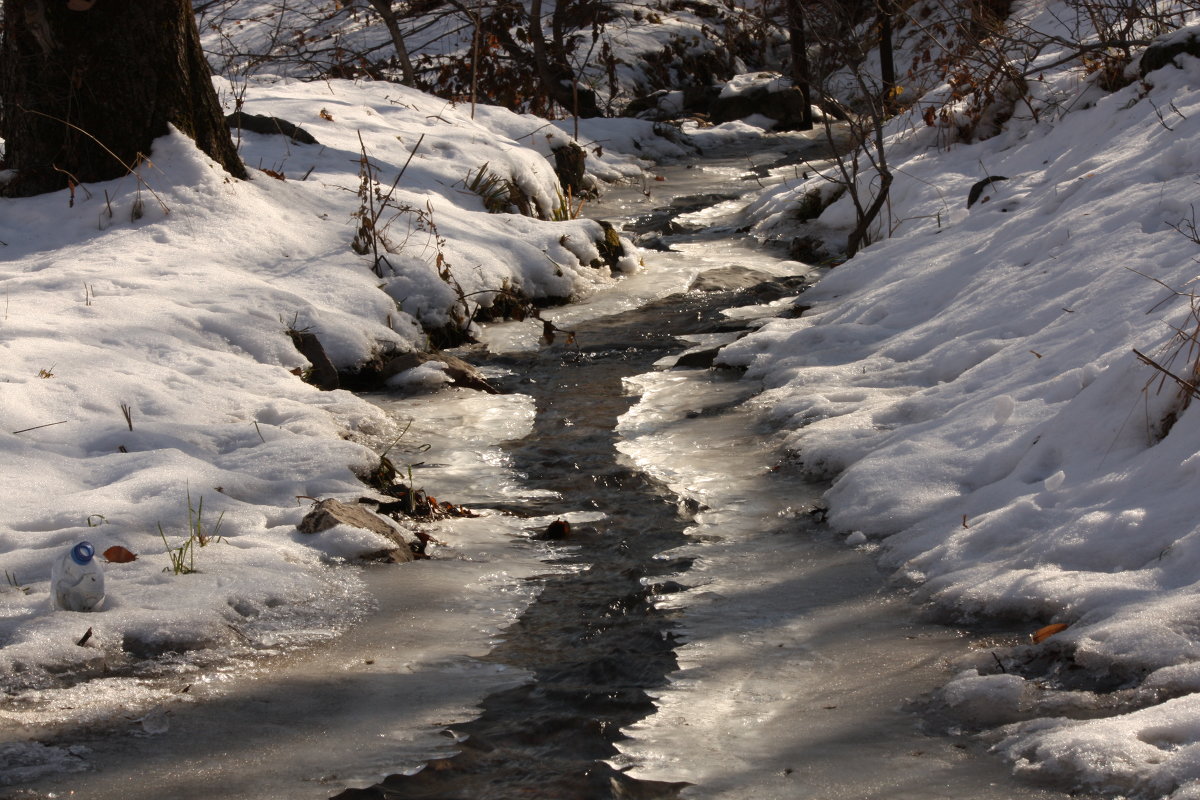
point(800, 70)
point(87, 85)
point(557, 78)
point(887, 61)
point(385, 11)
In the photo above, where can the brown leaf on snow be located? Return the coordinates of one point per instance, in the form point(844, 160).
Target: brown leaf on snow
point(1041, 634)
point(119, 555)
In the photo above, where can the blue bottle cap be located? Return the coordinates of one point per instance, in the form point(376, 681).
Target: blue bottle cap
point(82, 553)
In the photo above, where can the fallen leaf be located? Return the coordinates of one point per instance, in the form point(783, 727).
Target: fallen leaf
point(1041, 634)
point(119, 555)
point(325, 115)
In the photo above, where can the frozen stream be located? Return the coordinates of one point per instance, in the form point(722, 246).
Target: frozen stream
point(698, 635)
point(791, 671)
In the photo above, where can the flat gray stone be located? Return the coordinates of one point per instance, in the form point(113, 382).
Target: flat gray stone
point(330, 513)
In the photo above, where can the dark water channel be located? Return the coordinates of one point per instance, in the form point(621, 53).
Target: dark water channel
point(593, 639)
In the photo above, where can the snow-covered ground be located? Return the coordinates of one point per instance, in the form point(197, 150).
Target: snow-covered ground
point(623, 51)
point(270, 727)
point(149, 366)
point(969, 383)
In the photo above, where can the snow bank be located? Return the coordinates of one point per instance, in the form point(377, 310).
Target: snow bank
point(971, 386)
point(148, 364)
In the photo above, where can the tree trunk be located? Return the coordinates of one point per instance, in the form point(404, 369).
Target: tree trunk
point(385, 11)
point(87, 85)
point(879, 164)
point(557, 78)
point(887, 62)
point(800, 67)
point(859, 236)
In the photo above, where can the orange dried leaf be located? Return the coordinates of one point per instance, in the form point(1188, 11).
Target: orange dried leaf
point(1041, 634)
point(325, 115)
point(119, 555)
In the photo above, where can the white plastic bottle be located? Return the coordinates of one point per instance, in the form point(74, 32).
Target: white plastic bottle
point(76, 580)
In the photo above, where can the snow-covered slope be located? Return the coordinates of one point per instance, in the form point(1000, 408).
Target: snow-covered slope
point(970, 383)
point(620, 50)
point(149, 366)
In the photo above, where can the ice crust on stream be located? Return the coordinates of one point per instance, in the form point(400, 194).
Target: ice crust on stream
point(400, 676)
point(798, 673)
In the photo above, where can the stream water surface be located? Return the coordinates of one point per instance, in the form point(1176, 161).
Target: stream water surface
point(698, 633)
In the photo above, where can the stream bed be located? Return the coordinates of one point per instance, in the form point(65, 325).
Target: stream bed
point(697, 634)
point(709, 637)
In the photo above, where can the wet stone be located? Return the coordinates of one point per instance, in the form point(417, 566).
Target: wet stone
point(330, 513)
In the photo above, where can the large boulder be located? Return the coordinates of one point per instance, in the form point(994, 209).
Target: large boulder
point(1165, 49)
point(784, 104)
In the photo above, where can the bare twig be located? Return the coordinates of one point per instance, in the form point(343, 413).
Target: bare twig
point(1183, 382)
point(131, 169)
point(36, 427)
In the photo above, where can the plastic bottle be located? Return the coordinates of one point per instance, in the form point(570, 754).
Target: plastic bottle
point(76, 580)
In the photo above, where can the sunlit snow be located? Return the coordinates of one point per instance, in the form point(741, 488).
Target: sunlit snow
point(967, 384)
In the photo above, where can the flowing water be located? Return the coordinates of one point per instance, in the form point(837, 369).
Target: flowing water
point(595, 641)
point(697, 633)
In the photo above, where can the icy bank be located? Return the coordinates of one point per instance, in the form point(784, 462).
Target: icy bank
point(149, 365)
point(970, 384)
